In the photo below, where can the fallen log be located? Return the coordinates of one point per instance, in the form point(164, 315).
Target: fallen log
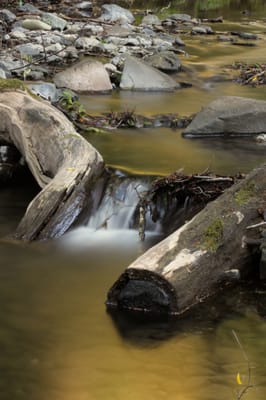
point(64, 164)
point(198, 259)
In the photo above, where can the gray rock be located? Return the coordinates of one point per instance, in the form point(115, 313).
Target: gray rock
point(224, 38)
point(168, 22)
point(54, 21)
point(91, 29)
point(151, 19)
point(18, 33)
point(30, 49)
point(45, 89)
point(161, 44)
point(115, 13)
point(84, 5)
point(118, 31)
point(166, 61)
point(110, 48)
point(245, 35)
point(35, 24)
point(110, 68)
point(83, 9)
point(7, 16)
point(229, 116)
point(147, 31)
point(138, 75)
point(178, 41)
point(48, 39)
point(202, 30)
point(145, 41)
point(54, 48)
point(119, 60)
point(167, 38)
point(85, 76)
point(29, 9)
point(132, 41)
point(8, 64)
point(71, 52)
point(180, 17)
point(117, 41)
point(88, 43)
point(35, 75)
point(69, 39)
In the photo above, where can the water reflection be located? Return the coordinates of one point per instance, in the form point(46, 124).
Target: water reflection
point(58, 342)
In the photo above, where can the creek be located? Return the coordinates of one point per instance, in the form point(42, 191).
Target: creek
point(57, 341)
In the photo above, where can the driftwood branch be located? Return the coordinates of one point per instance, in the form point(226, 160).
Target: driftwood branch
point(64, 164)
point(198, 259)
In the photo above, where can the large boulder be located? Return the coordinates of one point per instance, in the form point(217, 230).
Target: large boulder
point(137, 75)
point(115, 13)
point(229, 116)
point(85, 76)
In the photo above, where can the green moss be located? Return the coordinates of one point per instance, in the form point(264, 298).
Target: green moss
point(244, 194)
point(11, 84)
point(213, 235)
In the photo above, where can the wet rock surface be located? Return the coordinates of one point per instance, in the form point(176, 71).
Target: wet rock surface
point(229, 116)
point(137, 75)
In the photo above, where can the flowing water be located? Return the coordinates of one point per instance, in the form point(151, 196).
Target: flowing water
point(57, 341)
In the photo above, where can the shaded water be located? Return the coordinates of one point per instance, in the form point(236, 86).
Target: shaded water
point(56, 340)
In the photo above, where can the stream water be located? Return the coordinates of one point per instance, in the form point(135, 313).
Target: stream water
point(57, 341)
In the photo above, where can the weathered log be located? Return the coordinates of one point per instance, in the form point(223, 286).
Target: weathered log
point(198, 259)
point(64, 164)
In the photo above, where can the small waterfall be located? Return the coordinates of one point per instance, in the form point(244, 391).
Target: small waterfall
point(116, 219)
point(118, 206)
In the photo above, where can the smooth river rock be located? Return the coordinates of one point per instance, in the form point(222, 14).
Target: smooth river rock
point(35, 24)
point(85, 76)
point(229, 116)
point(137, 75)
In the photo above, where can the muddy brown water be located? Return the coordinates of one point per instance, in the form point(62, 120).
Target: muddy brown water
point(57, 341)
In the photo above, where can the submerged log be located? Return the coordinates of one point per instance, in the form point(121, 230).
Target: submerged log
point(197, 260)
point(64, 164)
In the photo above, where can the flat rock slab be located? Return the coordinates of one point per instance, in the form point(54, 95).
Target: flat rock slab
point(137, 75)
point(85, 77)
point(229, 116)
